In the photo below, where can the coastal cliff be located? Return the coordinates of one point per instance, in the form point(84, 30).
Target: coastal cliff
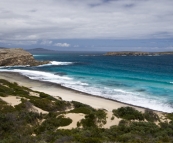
point(17, 56)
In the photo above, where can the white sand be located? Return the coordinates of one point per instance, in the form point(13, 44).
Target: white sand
point(34, 94)
point(12, 100)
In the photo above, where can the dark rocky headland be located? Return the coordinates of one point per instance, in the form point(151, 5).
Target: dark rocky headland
point(131, 53)
point(18, 56)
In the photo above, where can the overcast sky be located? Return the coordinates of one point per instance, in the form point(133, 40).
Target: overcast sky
point(87, 24)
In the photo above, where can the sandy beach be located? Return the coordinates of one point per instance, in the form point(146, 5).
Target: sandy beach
point(56, 90)
point(67, 94)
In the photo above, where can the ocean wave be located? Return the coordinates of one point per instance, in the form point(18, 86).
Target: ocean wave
point(129, 97)
point(46, 76)
point(171, 82)
point(120, 94)
point(56, 63)
point(39, 55)
point(19, 66)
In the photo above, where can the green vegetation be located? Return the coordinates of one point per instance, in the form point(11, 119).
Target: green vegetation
point(93, 117)
point(23, 124)
point(52, 123)
point(170, 116)
point(81, 108)
point(150, 116)
point(128, 113)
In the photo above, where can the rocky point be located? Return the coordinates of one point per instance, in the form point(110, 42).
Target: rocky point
point(18, 56)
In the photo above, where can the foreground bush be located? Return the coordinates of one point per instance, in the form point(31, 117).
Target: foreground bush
point(128, 113)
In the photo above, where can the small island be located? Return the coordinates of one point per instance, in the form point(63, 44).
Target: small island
point(135, 53)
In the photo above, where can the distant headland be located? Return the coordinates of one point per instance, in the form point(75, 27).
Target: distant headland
point(18, 56)
point(134, 53)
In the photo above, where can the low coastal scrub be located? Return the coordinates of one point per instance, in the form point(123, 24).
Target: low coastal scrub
point(52, 123)
point(93, 118)
point(129, 113)
point(23, 124)
point(150, 116)
point(49, 105)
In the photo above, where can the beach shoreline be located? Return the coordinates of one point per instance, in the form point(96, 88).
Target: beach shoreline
point(67, 94)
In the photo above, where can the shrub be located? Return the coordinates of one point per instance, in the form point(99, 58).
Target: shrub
point(44, 95)
point(101, 116)
point(2, 94)
point(169, 116)
point(4, 108)
point(2, 102)
point(128, 113)
point(48, 105)
point(64, 121)
point(52, 123)
point(89, 121)
point(82, 108)
point(78, 105)
point(149, 115)
point(5, 91)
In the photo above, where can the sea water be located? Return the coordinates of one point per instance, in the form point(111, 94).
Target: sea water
point(145, 81)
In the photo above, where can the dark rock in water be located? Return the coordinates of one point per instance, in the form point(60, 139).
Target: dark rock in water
point(15, 57)
point(60, 74)
point(140, 90)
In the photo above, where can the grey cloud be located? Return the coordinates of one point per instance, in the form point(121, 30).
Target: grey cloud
point(19, 42)
point(33, 10)
point(46, 42)
point(62, 44)
point(116, 19)
point(129, 5)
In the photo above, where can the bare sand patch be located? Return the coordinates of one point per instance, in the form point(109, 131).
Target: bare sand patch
point(76, 117)
point(34, 94)
point(12, 100)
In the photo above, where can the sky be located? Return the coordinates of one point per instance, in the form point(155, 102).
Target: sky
point(87, 25)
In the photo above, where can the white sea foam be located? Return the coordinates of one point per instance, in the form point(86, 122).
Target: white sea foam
point(56, 63)
point(134, 98)
point(123, 95)
point(171, 82)
point(19, 66)
point(39, 55)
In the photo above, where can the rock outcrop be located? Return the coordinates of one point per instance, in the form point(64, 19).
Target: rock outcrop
point(131, 53)
point(14, 57)
point(127, 54)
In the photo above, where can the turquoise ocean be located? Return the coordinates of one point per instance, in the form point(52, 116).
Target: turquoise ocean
point(145, 81)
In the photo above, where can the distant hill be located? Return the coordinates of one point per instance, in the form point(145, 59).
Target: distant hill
point(3, 48)
point(40, 50)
